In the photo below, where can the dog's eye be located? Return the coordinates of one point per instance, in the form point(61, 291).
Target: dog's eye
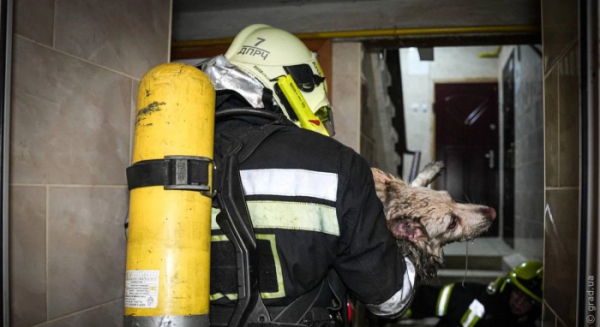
point(452, 223)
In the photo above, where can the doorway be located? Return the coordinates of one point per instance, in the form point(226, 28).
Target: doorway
point(466, 139)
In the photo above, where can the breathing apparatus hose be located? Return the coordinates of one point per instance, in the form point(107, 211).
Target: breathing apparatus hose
point(237, 112)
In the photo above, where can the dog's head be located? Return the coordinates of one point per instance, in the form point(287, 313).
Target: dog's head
point(425, 220)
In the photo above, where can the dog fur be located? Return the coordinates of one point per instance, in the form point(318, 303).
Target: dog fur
point(424, 220)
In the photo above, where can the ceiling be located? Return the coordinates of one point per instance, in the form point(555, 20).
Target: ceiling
point(183, 6)
point(223, 19)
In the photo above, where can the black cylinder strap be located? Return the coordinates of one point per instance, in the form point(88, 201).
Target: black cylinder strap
point(173, 172)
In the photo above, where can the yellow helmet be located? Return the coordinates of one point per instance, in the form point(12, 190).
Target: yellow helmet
point(284, 65)
point(528, 277)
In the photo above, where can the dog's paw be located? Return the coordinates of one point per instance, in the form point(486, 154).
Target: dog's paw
point(435, 165)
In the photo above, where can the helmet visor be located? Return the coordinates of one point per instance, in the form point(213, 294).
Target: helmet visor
point(304, 77)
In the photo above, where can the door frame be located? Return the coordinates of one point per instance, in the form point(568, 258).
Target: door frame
point(589, 162)
point(502, 154)
point(6, 22)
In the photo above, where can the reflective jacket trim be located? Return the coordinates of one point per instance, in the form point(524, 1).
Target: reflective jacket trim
point(473, 314)
point(290, 215)
point(278, 271)
point(290, 182)
point(399, 301)
point(443, 299)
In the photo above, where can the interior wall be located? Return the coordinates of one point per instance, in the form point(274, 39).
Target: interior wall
point(561, 153)
point(76, 67)
point(451, 64)
point(346, 92)
point(529, 148)
point(378, 137)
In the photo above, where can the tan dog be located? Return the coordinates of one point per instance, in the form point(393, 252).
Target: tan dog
point(425, 219)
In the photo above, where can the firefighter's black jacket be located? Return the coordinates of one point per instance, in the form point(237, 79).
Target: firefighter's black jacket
point(469, 305)
point(313, 207)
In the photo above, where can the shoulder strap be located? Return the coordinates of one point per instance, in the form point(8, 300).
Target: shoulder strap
point(254, 137)
point(241, 141)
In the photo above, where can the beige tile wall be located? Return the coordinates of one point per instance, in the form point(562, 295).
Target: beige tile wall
point(529, 150)
point(561, 142)
point(28, 254)
point(347, 59)
point(77, 64)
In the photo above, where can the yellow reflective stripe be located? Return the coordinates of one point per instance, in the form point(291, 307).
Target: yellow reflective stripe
point(474, 313)
point(290, 215)
point(443, 299)
point(465, 318)
point(278, 271)
point(280, 286)
point(474, 322)
point(231, 297)
point(216, 296)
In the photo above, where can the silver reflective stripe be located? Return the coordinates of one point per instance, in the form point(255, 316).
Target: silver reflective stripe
point(399, 301)
point(472, 316)
point(290, 215)
point(442, 303)
point(290, 182)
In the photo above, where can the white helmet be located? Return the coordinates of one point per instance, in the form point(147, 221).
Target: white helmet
point(284, 65)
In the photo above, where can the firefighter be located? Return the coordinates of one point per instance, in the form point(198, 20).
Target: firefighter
point(511, 300)
point(311, 199)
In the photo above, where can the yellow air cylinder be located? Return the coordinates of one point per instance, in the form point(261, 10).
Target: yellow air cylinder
point(168, 247)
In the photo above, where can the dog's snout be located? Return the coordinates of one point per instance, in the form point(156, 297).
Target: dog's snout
point(490, 213)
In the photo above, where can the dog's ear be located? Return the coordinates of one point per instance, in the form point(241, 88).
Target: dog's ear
point(381, 176)
point(407, 229)
point(381, 180)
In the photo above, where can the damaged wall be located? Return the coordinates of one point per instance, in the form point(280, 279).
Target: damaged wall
point(76, 67)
